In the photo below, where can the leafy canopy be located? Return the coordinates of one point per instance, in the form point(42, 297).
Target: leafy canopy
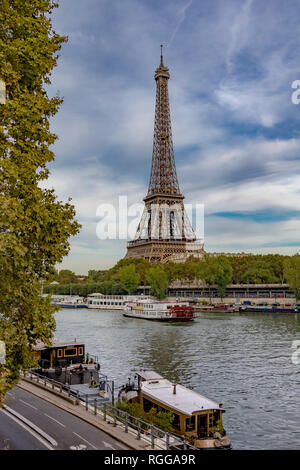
point(34, 225)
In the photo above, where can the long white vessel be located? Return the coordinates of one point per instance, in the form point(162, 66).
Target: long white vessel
point(160, 310)
point(111, 302)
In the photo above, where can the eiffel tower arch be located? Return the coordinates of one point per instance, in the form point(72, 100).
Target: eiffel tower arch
point(164, 232)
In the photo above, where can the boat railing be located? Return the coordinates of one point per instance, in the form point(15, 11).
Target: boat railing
point(104, 408)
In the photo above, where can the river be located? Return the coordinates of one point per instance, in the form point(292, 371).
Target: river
point(241, 360)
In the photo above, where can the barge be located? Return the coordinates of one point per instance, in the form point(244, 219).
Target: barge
point(197, 419)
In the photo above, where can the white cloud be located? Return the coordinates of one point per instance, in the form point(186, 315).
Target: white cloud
point(231, 63)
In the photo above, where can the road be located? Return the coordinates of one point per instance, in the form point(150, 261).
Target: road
point(67, 430)
point(15, 436)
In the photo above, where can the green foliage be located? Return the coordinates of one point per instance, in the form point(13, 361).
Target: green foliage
point(158, 281)
point(66, 276)
point(212, 270)
point(160, 419)
point(34, 225)
point(129, 278)
point(141, 267)
point(96, 276)
point(292, 274)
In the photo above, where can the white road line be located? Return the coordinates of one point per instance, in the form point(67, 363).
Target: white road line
point(28, 404)
point(80, 437)
point(30, 424)
point(30, 431)
point(61, 424)
point(108, 445)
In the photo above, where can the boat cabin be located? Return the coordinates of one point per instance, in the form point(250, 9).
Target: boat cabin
point(59, 354)
point(196, 418)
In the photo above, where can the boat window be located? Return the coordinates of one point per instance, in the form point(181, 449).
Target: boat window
point(202, 425)
point(190, 423)
point(59, 353)
point(176, 422)
point(70, 352)
point(147, 405)
point(80, 351)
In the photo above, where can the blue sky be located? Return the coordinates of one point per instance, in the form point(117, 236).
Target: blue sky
point(236, 131)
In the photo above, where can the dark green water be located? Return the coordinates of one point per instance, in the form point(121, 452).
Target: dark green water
point(241, 360)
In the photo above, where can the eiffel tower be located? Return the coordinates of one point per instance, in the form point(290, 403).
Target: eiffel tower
point(164, 232)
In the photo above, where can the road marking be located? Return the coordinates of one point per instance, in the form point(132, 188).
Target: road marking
point(61, 424)
point(26, 424)
point(108, 445)
point(28, 404)
point(80, 437)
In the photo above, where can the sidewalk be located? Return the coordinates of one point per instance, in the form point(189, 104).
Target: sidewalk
point(129, 439)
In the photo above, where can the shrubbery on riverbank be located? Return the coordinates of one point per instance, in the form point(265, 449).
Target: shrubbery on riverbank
point(212, 270)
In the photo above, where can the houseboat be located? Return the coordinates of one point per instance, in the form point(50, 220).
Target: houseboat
point(217, 308)
point(66, 362)
point(269, 309)
point(161, 311)
point(197, 419)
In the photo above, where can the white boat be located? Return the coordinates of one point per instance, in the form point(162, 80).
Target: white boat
point(160, 310)
point(69, 301)
point(111, 302)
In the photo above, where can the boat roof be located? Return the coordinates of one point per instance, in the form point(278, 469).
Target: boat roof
point(185, 401)
point(55, 343)
point(149, 375)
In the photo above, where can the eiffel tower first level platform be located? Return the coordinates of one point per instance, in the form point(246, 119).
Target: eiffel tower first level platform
point(164, 232)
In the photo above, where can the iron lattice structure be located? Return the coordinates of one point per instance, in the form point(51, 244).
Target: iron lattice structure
point(164, 232)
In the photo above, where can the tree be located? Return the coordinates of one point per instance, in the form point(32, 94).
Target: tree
point(216, 270)
point(291, 268)
point(96, 276)
point(158, 280)
point(129, 278)
point(66, 276)
point(223, 275)
point(34, 225)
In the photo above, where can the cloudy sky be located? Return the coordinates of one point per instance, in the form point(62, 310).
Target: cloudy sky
point(236, 131)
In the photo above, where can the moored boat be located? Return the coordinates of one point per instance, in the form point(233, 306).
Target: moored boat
point(69, 301)
point(196, 418)
point(110, 302)
point(217, 308)
point(268, 309)
point(160, 310)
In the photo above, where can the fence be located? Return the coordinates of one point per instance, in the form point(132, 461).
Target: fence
point(142, 430)
point(106, 388)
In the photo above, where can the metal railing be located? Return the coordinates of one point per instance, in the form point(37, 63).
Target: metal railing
point(156, 437)
point(142, 430)
point(105, 386)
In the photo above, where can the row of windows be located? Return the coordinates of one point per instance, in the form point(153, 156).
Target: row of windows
point(109, 297)
point(104, 303)
point(69, 352)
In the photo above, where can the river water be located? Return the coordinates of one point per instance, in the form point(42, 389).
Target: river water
point(241, 360)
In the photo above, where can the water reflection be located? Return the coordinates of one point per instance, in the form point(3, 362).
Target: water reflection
point(242, 360)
